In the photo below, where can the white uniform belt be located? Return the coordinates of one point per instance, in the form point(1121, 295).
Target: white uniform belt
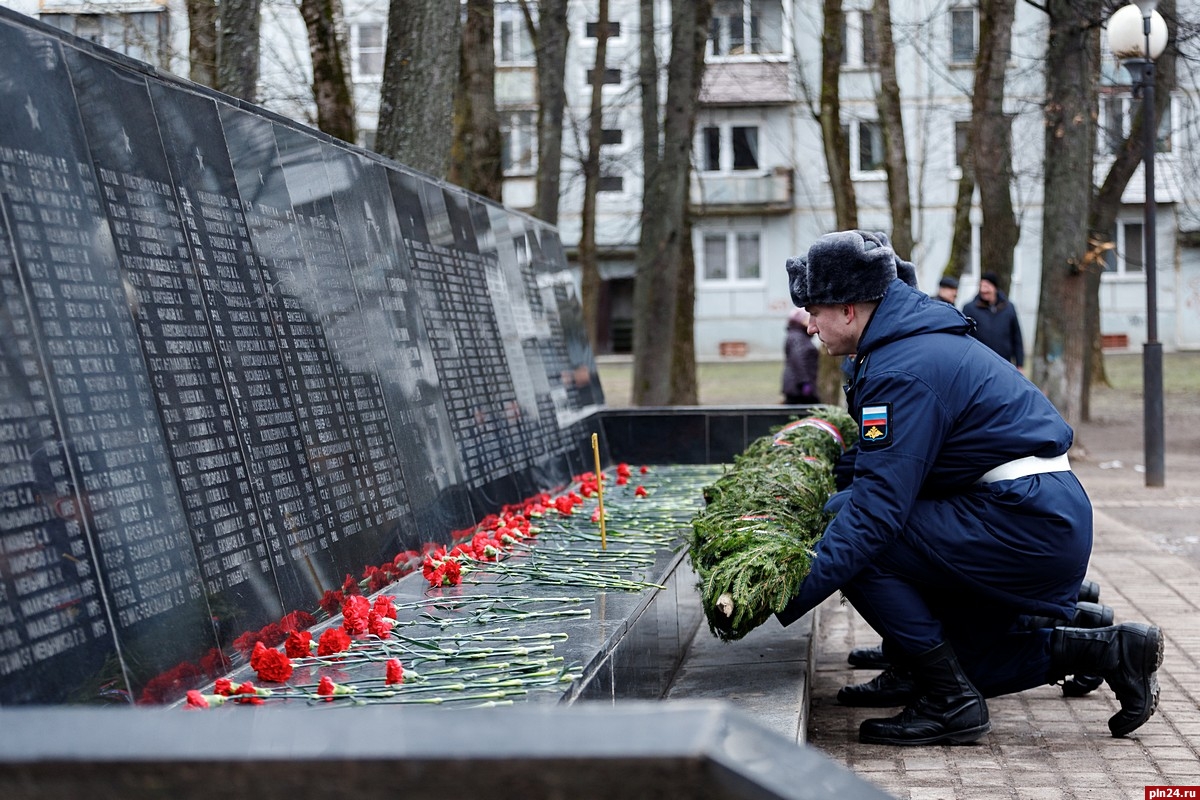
point(1022, 467)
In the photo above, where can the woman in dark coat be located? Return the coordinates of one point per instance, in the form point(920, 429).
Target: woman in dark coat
point(799, 362)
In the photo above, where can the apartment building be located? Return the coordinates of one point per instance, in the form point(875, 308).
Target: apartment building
point(760, 190)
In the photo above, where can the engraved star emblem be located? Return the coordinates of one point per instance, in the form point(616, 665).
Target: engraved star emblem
point(125, 141)
point(199, 158)
point(31, 109)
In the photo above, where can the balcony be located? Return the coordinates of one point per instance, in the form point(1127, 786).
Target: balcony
point(734, 193)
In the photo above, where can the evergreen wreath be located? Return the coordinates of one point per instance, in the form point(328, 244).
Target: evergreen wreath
point(753, 543)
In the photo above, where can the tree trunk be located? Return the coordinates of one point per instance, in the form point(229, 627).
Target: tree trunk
point(685, 389)
point(990, 140)
point(420, 73)
point(331, 83)
point(550, 37)
point(237, 48)
point(1107, 203)
point(1071, 92)
point(837, 147)
point(648, 84)
point(960, 241)
point(589, 269)
point(202, 41)
point(892, 122)
point(661, 246)
point(475, 152)
point(837, 161)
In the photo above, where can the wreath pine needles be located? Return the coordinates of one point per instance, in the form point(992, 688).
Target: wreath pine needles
point(753, 543)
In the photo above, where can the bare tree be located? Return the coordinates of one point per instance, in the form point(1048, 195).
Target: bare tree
point(420, 73)
point(237, 48)
point(990, 139)
point(892, 122)
point(330, 82)
point(833, 137)
point(1060, 349)
point(663, 244)
point(987, 162)
point(837, 158)
point(475, 152)
point(202, 41)
point(589, 269)
point(549, 35)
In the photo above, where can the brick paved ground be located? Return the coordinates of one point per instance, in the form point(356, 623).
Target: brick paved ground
point(1044, 746)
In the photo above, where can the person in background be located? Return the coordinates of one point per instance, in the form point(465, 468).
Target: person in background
point(947, 290)
point(996, 323)
point(800, 357)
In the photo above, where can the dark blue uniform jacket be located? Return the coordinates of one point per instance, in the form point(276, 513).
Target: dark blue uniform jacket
point(951, 409)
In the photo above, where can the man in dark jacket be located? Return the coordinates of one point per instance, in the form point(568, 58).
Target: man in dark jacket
point(996, 323)
point(963, 516)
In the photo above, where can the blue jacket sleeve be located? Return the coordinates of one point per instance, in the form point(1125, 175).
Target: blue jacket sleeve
point(887, 480)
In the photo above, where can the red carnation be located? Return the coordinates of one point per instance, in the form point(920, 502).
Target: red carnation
point(273, 667)
point(644, 469)
point(384, 606)
point(350, 586)
point(640, 491)
point(378, 625)
point(333, 640)
point(272, 634)
point(395, 671)
point(622, 480)
point(197, 700)
point(296, 621)
point(564, 505)
point(223, 687)
point(623, 469)
point(246, 693)
point(354, 613)
point(331, 601)
point(298, 644)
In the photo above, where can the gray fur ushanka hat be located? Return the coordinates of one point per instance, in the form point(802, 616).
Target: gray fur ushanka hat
point(843, 267)
point(797, 270)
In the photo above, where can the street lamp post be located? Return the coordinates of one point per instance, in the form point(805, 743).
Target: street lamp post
point(1137, 46)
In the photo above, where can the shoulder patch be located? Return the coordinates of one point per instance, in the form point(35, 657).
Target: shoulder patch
point(875, 425)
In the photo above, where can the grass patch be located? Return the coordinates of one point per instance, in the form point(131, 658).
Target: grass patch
point(738, 383)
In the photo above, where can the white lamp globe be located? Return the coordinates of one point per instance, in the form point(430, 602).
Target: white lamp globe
point(1127, 36)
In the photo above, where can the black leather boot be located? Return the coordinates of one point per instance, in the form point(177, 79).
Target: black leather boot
point(894, 686)
point(868, 658)
point(1087, 615)
point(950, 710)
point(1089, 592)
point(1127, 656)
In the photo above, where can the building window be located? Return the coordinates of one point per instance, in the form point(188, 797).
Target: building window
point(614, 29)
point(746, 27)
point(963, 35)
point(513, 45)
point(611, 183)
point(732, 257)
point(611, 136)
point(518, 142)
point(866, 148)
point(726, 148)
point(858, 40)
point(1127, 257)
point(612, 76)
point(366, 50)
point(138, 34)
point(1117, 111)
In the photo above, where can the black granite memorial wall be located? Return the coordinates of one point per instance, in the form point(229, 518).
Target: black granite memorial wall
point(241, 360)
